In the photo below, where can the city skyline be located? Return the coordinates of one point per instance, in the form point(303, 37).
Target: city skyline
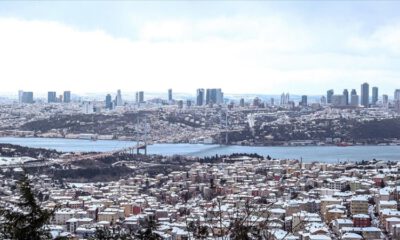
point(257, 47)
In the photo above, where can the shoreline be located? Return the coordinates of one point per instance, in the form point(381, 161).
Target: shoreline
point(211, 144)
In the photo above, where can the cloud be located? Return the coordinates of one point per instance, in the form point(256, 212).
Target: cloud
point(240, 54)
point(383, 40)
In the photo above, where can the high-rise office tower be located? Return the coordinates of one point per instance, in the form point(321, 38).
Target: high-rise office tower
point(385, 101)
point(397, 94)
point(27, 97)
point(170, 94)
point(180, 104)
point(241, 103)
point(109, 104)
point(257, 102)
point(374, 95)
point(397, 106)
point(385, 98)
point(346, 96)
point(303, 101)
point(329, 95)
point(118, 99)
point(365, 94)
point(51, 97)
point(20, 93)
point(214, 95)
point(323, 100)
point(354, 100)
point(200, 97)
point(338, 100)
point(140, 97)
point(67, 96)
point(283, 99)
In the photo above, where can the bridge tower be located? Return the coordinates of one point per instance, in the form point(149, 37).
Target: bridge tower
point(224, 125)
point(142, 145)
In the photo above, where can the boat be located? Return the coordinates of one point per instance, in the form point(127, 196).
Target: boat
point(344, 144)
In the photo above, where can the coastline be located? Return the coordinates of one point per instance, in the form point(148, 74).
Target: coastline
point(294, 143)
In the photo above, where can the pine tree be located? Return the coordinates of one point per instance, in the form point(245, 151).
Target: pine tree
point(26, 219)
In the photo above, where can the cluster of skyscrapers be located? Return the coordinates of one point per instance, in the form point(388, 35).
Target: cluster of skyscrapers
point(216, 96)
point(27, 97)
point(117, 102)
point(344, 99)
point(209, 96)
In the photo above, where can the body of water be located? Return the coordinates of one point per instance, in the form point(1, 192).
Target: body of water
point(308, 153)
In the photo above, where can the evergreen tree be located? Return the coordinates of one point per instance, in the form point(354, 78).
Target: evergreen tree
point(26, 219)
point(148, 230)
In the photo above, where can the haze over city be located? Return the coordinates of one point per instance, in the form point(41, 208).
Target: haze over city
point(256, 47)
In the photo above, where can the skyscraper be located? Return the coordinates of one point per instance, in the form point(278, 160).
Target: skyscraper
point(214, 95)
point(385, 101)
point(67, 96)
point(20, 93)
point(170, 94)
point(338, 100)
point(329, 95)
point(354, 99)
point(139, 97)
point(241, 102)
point(51, 97)
point(365, 94)
point(200, 97)
point(397, 94)
point(374, 95)
point(118, 99)
point(323, 100)
point(283, 99)
point(27, 97)
point(346, 96)
point(109, 102)
point(303, 101)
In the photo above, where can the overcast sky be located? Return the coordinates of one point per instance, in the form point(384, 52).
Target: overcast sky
point(242, 47)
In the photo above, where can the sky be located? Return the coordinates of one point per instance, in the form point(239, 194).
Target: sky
point(266, 47)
